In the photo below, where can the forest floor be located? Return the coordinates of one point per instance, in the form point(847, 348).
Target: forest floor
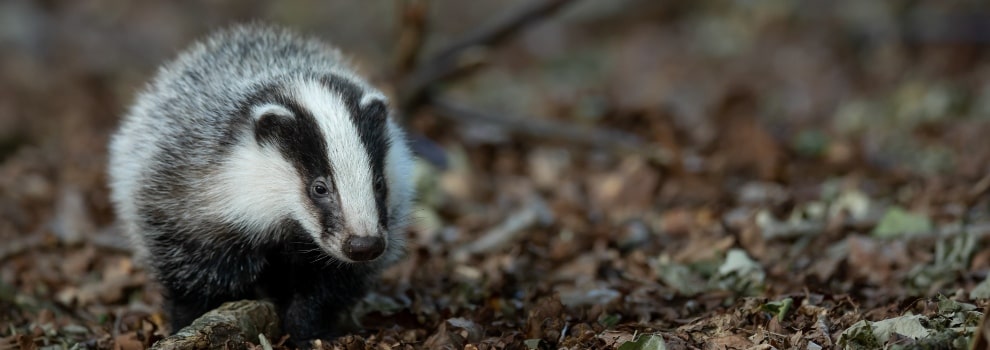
point(767, 175)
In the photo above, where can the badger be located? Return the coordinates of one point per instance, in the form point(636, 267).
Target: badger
point(258, 165)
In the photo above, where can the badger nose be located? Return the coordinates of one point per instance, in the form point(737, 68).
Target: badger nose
point(362, 248)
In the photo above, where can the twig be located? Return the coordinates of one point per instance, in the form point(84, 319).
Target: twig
point(412, 23)
point(265, 344)
point(978, 190)
point(612, 140)
point(504, 26)
point(508, 231)
point(452, 59)
point(456, 58)
point(823, 327)
point(563, 332)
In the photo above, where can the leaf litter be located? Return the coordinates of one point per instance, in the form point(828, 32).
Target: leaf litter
point(827, 187)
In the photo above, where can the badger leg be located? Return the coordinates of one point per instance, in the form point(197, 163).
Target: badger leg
point(315, 295)
point(184, 310)
point(198, 278)
point(321, 302)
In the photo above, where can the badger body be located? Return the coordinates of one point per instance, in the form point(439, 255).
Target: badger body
point(257, 164)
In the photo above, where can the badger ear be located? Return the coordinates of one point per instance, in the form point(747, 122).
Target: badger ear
point(374, 108)
point(269, 113)
point(270, 120)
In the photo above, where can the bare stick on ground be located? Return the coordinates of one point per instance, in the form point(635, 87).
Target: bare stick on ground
point(229, 326)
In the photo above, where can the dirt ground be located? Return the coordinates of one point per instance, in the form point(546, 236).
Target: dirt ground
point(631, 174)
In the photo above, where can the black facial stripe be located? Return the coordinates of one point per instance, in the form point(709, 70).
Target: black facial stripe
point(304, 143)
point(298, 138)
point(370, 122)
point(301, 141)
point(371, 125)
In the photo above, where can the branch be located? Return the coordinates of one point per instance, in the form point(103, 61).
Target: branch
point(503, 27)
point(456, 57)
point(412, 24)
point(228, 326)
point(611, 140)
point(535, 211)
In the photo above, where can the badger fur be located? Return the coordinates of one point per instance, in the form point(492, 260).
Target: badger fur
point(257, 164)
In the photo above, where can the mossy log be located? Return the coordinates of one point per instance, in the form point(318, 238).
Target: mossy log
point(229, 326)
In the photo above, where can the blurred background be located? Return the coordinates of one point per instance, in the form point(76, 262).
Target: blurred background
point(602, 161)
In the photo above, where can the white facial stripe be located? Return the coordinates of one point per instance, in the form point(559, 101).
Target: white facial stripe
point(270, 108)
point(348, 157)
point(260, 188)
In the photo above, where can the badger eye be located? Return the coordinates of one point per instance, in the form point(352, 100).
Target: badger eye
point(320, 189)
point(379, 184)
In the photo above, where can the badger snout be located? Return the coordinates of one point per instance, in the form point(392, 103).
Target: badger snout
point(364, 248)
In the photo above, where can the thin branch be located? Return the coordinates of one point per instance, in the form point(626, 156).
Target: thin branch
point(457, 57)
point(612, 140)
point(978, 190)
point(508, 231)
point(412, 24)
point(512, 21)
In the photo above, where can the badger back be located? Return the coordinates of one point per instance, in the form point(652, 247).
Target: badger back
point(224, 142)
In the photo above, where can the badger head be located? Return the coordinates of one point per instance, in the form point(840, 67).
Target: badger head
point(322, 157)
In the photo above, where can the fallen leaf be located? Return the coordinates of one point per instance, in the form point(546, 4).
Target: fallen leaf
point(780, 309)
point(444, 339)
point(741, 273)
point(680, 277)
point(982, 290)
point(899, 222)
point(645, 342)
point(873, 334)
point(474, 331)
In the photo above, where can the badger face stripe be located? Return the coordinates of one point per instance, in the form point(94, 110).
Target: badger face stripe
point(333, 110)
point(297, 137)
point(259, 187)
point(267, 180)
point(370, 115)
point(371, 122)
point(263, 182)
